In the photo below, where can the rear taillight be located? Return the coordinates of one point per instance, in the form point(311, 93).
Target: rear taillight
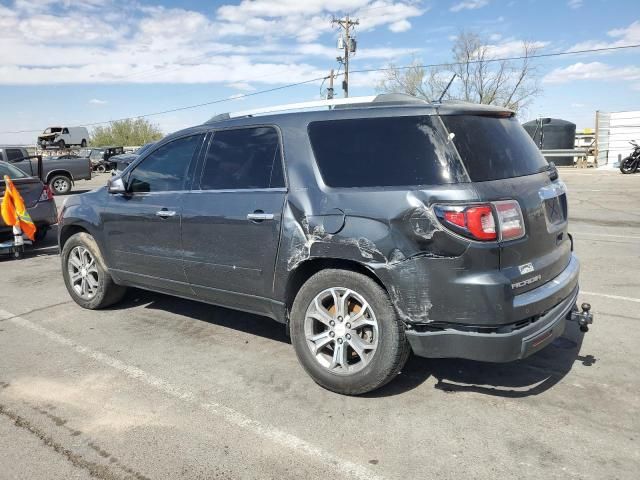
point(46, 194)
point(510, 221)
point(486, 222)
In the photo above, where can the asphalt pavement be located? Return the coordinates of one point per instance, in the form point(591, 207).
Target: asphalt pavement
point(163, 388)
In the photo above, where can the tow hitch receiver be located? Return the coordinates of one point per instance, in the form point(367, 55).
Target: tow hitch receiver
point(584, 318)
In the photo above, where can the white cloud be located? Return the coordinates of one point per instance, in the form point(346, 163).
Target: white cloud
point(469, 5)
point(575, 4)
point(51, 42)
point(97, 101)
point(512, 48)
point(621, 36)
point(592, 71)
point(400, 26)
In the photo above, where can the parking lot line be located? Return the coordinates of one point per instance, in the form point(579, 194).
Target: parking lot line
point(608, 235)
point(234, 417)
point(614, 297)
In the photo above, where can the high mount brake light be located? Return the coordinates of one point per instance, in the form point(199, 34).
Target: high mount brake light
point(486, 222)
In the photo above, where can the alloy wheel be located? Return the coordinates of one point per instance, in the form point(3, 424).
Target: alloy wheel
point(83, 272)
point(341, 330)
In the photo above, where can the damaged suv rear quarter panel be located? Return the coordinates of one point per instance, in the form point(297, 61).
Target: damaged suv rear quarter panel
point(389, 231)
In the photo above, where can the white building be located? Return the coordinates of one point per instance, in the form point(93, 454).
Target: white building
point(614, 130)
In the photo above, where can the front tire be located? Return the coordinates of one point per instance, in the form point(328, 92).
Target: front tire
point(61, 145)
point(83, 144)
point(628, 165)
point(60, 184)
point(346, 333)
point(85, 274)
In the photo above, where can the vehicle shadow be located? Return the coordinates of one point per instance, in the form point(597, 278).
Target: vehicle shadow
point(241, 321)
point(522, 378)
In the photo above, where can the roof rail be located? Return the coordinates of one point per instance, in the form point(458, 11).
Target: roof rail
point(293, 106)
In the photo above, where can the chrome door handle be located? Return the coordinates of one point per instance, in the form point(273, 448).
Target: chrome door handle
point(259, 217)
point(165, 213)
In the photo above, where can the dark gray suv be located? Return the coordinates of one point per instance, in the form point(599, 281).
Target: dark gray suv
point(370, 230)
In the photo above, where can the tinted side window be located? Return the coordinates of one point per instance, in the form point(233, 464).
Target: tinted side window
point(166, 168)
point(243, 158)
point(13, 154)
point(378, 152)
point(494, 148)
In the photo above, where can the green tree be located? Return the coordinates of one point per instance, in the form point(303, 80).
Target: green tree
point(126, 132)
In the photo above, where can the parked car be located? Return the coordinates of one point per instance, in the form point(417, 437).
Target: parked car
point(63, 137)
point(58, 172)
point(124, 160)
point(37, 197)
point(101, 157)
point(370, 231)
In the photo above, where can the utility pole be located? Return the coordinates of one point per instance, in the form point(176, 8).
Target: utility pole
point(330, 89)
point(348, 43)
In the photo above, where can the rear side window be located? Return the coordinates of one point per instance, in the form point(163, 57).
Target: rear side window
point(494, 148)
point(245, 158)
point(379, 152)
point(13, 154)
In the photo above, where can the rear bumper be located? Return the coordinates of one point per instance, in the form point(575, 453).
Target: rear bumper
point(547, 306)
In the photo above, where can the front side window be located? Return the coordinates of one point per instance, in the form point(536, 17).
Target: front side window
point(245, 158)
point(384, 152)
point(166, 168)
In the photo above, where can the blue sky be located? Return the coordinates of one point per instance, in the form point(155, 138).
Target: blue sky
point(77, 62)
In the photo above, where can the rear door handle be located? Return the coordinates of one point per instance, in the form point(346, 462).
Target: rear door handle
point(164, 213)
point(259, 216)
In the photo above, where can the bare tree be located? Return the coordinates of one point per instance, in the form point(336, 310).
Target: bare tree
point(482, 76)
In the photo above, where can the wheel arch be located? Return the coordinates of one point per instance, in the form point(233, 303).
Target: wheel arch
point(67, 231)
point(310, 267)
point(59, 171)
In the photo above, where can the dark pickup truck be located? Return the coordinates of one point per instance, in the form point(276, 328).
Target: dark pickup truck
point(59, 173)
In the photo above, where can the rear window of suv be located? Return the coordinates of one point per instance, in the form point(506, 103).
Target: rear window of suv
point(493, 148)
point(381, 152)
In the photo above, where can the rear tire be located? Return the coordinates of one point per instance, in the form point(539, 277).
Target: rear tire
point(60, 184)
point(364, 349)
point(85, 274)
point(628, 165)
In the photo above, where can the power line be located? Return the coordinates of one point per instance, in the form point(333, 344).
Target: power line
point(503, 59)
point(368, 70)
point(188, 107)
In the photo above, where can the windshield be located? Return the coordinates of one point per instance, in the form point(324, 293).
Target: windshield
point(53, 130)
point(494, 148)
point(11, 171)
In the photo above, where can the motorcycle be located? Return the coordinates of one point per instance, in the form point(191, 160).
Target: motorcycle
point(632, 162)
